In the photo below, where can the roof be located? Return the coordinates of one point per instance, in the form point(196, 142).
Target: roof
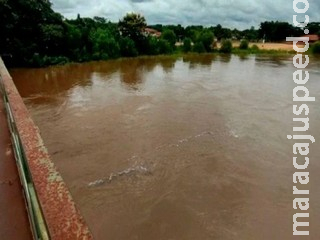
point(152, 32)
point(312, 37)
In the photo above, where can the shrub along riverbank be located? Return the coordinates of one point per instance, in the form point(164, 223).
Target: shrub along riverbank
point(178, 52)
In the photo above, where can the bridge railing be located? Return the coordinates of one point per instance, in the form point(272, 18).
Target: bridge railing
point(37, 222)
point(51, 209)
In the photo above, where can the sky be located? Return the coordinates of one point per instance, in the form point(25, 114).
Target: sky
point(241, 14)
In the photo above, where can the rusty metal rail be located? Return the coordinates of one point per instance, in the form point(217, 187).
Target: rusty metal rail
point(52, 210)
point(37, 221)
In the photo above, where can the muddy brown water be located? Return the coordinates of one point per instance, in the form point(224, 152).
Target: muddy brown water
point(177, 148)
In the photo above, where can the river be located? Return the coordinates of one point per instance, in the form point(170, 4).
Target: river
point(178, 148)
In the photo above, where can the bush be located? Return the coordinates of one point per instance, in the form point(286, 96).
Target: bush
point(226, 46)
point(58, 60)
point(199, 47)
point(128, 48)
point(152, 47)
point(170, 36)
point(187, 45)
point(206, 37)
point(244, 44)
point(164, 47)
point(103, 44)
point(316, 48)
point(255, 48)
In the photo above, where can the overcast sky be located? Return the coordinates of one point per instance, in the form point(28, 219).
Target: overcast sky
point(229, 13)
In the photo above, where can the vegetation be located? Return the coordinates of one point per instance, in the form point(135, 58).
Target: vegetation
point(187, 45)
point(278, 31)
point(199, 47)
point(132, 26)
point(316, 48)
point(226, 46)
point(255, 48)
point(169, 36)
point(164, 47)
point(32, 34)
point(244, 44)
point(206, 37)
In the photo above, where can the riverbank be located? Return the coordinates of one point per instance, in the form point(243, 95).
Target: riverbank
point(268, 49)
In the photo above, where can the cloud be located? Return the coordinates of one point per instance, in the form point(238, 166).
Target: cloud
point(229, 13)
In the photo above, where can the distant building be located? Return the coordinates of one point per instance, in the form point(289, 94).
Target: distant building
point(312, 38)
point(152, 32)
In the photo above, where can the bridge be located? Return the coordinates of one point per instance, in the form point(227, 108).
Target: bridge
point(35, 203)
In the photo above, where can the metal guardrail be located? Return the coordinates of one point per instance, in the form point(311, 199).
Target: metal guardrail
point(37, 221)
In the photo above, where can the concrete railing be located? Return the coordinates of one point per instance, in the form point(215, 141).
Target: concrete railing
point(52, 211)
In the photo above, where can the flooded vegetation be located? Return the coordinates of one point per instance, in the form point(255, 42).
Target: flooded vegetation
point(181, 148)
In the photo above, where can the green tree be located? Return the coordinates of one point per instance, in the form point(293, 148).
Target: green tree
point(199, 47)
point(193, 32)
point(164, 47)
point(153, 46)
point(278, 31)
point(250, 34)
point(222, 33)
point(104, 45)
point(314, 28)
point(226, 46)
point(187, 47)
point(53, 36)
point(316, 48)
point(132, 26)
point(74, 42)
point(254, 48)
point(23, 27)
point(244, 44)
point(170, 36)
point(127, 47)
point(206, 38)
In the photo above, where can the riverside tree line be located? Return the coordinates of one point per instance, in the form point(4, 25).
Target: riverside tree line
point(32, 34)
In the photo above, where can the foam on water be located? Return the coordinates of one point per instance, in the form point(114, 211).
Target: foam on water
point(140, 168)
point(131, 170)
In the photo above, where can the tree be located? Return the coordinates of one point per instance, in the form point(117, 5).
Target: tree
point(128, 48)
point(278, 31)
point(314, 28)
point(226, 46)
point(222, 33)
point(23, 26)
point(104, 45)
point(187, 45)
point(170, 36)
point(316, 48)
point(164, 47)
point(153, 46)
point(193, 32)
point(254, 48)
point(199, 47)
point(132, 26)
point(244, 44)
point(32, 34)
point(74, 43)
point(251, 34)
point(206, 38)
point(52, 37)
